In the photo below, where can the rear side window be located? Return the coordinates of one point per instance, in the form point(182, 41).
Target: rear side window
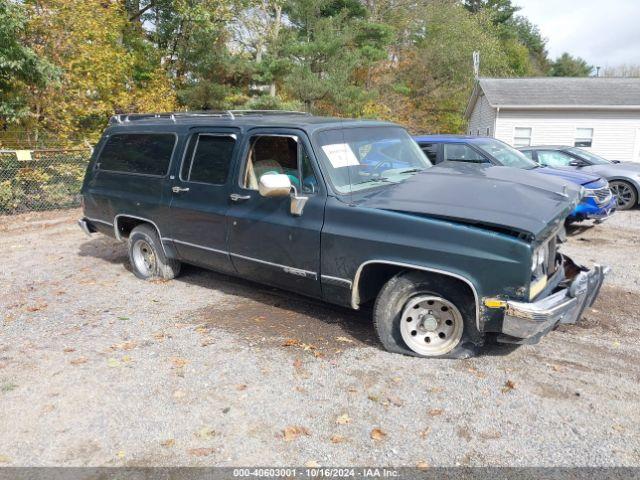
point(208, 159)
point(148, 153)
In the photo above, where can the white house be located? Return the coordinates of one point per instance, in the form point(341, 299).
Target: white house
point(599, 114)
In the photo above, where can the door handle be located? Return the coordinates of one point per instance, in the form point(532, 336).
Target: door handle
point(179, 189)
point(239, 198)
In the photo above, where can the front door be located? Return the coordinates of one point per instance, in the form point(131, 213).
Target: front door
point(200, 199)
point(266, 242)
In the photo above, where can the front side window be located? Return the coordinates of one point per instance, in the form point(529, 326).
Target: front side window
point(278, 154)
point(361, 158)
point(431, 151)
point(553, 158)
point(522, 137)
point(584, 137)
point(140, 153)
point(208, 159)
point(505, 154)
point(459, 152)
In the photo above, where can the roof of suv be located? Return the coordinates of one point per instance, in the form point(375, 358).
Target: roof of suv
point(239, 118)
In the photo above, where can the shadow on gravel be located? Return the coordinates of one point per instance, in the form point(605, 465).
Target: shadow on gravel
point(261, 313)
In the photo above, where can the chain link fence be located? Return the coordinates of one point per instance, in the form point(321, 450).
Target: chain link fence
point(33, 180)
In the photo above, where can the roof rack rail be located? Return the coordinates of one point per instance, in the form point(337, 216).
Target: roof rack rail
point(231, 114)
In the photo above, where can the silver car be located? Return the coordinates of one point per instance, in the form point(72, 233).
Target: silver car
point(623, 177)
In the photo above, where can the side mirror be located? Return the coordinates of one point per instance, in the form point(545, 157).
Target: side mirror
point(576, 163)
point(274, 185)
point(279, 185)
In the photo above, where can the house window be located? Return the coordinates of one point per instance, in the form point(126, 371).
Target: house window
point(488, 131)
point(522, 137)
point(584, 137)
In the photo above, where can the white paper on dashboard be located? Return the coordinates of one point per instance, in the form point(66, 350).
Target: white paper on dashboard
point(340, 155)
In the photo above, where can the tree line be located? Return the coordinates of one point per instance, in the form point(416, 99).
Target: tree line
point(67, 65)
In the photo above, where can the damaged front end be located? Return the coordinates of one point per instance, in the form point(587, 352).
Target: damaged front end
point(571, 289)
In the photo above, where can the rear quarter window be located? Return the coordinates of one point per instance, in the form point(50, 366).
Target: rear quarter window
point(140, 153)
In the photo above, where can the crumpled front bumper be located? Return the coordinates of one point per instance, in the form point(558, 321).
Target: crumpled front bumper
point(530, 321)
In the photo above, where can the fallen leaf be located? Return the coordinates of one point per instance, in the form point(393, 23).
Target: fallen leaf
point(226, 409)
point(398, 402)
point(373, 398)
point(48, 408)
point(240, 387)
point(293, 432)
point(422, 464)
point(200, 452)
point(170, 442)
point(508, 386)
point(377, 434)
point(338, 439)
point(178, 362)
point(206, 433)
point(36, 308)
point(344, 340)
point(425, 433)
point(4, 459)
point(179, 394)
point(120, 454)
point(312, 464)
point(291, 342)
point(434, 412)
point(113, 363)
point(343, 419)
point(206, 342)
point(78, 361)
point(123, 318)
point(69, 350)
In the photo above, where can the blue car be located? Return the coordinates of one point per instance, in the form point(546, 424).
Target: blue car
point(597, 204)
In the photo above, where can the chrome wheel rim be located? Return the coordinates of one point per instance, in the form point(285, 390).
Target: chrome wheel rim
point(431, 325)
point(624, 194)
point(144, 257)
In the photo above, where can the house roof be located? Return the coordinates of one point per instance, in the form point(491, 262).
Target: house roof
point(558, 92)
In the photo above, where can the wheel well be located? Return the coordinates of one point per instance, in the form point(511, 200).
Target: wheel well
point(624, 180)
point(374, 276)
point(124, 225)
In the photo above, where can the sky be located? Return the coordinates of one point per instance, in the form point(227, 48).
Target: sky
point(605, 33)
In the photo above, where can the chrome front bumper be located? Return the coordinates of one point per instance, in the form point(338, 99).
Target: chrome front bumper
point(532, 320)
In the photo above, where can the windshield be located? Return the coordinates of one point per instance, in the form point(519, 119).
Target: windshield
point(588, 156)
point(505, 154)
point(365, 157)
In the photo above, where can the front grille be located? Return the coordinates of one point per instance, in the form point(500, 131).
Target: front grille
point(602, 195)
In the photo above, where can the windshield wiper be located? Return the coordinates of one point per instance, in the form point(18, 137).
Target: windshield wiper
point(412, 170)
point(374, 180)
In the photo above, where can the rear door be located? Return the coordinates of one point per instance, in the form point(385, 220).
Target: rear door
point(200, 198)
point(266, 242)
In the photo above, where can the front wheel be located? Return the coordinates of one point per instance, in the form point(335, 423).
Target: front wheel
point(415, 314)
point(625, 194)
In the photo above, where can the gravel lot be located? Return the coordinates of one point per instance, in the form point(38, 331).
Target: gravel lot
point(99, 368)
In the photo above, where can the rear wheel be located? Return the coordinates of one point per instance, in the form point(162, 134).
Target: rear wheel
point(147, 257)
point(416, 315)
point(625, 194)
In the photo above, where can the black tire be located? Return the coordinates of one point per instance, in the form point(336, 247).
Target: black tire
point(144, 242)
point(619, 188)
point(399, 292)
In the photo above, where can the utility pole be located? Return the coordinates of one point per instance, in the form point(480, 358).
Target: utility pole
point(476, 64)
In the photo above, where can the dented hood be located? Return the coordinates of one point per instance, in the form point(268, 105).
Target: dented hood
point(521, 201)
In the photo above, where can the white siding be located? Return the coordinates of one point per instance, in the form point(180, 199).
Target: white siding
point(482, 117)
point(614, 132)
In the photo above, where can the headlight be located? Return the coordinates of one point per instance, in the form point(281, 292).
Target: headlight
point(540, 259)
